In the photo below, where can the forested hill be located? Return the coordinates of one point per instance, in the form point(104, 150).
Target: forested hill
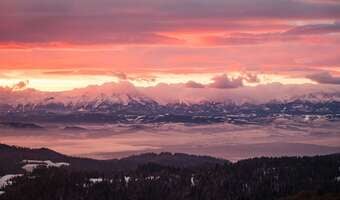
point(11, 158)
point(167, 177)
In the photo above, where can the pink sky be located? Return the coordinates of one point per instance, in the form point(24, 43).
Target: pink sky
point(59, 45)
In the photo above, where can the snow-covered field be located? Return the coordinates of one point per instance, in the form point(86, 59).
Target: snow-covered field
point(6, 181)
point(30, 165)
point(230, 141)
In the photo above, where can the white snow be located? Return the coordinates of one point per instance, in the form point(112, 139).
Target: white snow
point(127, 179)
point(33, 164)
point(6, 180)
point(30, 167)
point(96, 180)
point(34, 161)
point(152, 178)
point(61, 164)
point(337, 179)
point(192, 180)
point(124, 92)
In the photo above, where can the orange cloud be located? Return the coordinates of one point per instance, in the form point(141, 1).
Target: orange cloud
point(325, 78)
point(118, 40)
point(20, 86)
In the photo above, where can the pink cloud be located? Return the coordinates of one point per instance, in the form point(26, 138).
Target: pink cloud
point(86, 37)
point(141, 22)
point(20, 86)
point(325, 78)
point(295, 34)
point(193, 84)
point(224, 82)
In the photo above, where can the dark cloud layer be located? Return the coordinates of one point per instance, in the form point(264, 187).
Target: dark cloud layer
point(193, 84)
point(188, 9)
point(224, 82)
point(142, 21)
point(325, 78)
point(295, 34)
point(314, 29)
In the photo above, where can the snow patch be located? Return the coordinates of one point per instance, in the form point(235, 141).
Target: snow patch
point(152, 178)
point(192, 181)
point(6, 180)
point(96, 180)
point(337, 179)
point(127, 179)
point(30, 165)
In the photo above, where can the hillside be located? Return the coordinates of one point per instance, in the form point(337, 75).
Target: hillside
point(11, 158)
point(159, 176)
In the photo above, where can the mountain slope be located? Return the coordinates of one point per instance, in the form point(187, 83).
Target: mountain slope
point(315, 177)
point(125, 103)
point(11, 158)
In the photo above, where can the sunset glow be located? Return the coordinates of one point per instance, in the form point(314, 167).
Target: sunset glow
point(63, 45)
point(169, 99)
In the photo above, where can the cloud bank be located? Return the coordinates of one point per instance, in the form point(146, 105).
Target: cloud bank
point(120, 37)
point(325, 78)
point(146, 21)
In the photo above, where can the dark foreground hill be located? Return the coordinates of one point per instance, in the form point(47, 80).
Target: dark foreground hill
point(173, 177)
point(11, 158)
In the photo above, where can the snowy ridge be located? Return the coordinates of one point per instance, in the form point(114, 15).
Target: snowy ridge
point(6, 180)
point(111, 97)
point(30, 165)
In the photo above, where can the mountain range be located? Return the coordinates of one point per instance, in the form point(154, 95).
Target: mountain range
point(125, 103)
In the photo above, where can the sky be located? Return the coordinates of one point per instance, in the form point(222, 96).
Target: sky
point(60, 45)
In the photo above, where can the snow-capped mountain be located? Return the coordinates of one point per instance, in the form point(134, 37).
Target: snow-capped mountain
point(318, 97)
point(125, 102)
point(92, 98)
